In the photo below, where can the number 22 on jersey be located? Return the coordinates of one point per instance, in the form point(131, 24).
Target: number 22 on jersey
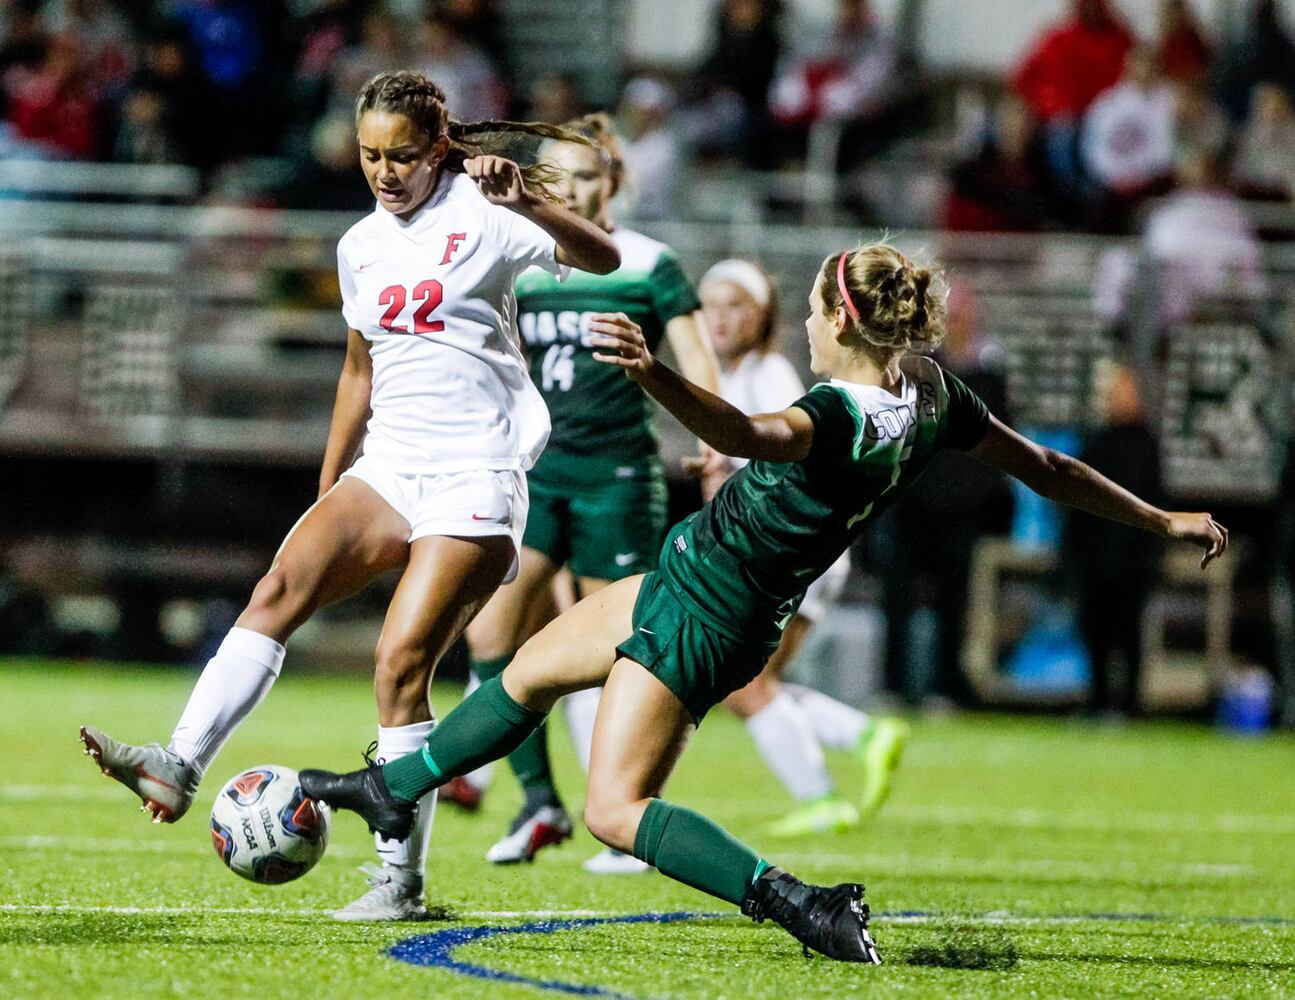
point(429, 292)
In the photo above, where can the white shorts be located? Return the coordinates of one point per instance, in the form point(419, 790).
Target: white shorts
point(466, 504)
point(824, 591)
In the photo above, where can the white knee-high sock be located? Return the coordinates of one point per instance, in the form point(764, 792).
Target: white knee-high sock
point(231, 684)
point(581, 710)
point(786, 741)
point(410, 853)
point(836, 724)
point(480, 778)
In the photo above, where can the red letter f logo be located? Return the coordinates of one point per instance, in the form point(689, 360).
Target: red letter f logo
point(452, 245)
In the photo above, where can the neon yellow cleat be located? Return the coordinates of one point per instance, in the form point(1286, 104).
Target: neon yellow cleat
point(828, 814)
point(879, 750)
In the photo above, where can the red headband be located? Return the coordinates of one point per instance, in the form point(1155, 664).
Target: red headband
point(845, 292)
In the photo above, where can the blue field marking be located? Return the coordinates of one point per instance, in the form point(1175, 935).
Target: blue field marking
point(436, 950)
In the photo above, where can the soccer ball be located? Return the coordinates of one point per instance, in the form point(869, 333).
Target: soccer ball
point(264, 828)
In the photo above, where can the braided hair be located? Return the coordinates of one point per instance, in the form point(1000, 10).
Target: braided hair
point(418, 98)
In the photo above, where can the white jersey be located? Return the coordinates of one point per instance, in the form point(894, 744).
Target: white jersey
point(760, 383)
point(434, 298)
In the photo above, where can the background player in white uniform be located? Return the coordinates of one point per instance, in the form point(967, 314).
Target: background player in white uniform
point(789, 723)
point(434, 395)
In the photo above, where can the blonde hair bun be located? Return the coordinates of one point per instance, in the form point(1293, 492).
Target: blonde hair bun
point(898, 305)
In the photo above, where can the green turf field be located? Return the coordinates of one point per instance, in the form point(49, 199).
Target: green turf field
point(1006, 841)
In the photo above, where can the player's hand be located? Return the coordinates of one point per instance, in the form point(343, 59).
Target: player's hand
point(623, 343)
point(709, 466)
point(1202, 530)
point(499, 179)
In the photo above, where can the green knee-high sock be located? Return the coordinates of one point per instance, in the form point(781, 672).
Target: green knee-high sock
point(491, 667)
point(482, 728)
point(691, 849)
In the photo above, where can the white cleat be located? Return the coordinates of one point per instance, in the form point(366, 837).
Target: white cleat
point(546, 825)
point(164, 781)
point(614, 862)
point(394, 894)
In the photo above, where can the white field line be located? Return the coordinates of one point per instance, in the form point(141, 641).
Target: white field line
point(1049, 869)
point(1073, 820)
point(287, 911)
point(895, 865)
point(1027, 819)
point(1001, 918)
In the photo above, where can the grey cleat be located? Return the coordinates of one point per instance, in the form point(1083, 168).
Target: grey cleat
point(164, 781)
point(394, 894)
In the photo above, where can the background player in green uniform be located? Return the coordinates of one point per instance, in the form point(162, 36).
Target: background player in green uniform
point(670, 644)
point(598, 492)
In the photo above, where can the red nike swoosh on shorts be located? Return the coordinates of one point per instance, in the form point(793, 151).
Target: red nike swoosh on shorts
point(478, 517)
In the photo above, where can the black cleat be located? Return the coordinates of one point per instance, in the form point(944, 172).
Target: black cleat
point(832, 921)
point(364, 792)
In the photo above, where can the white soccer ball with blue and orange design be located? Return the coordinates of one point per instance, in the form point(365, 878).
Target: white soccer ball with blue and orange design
point(265, 829)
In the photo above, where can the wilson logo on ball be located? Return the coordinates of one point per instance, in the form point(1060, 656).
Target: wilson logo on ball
point(248, 787)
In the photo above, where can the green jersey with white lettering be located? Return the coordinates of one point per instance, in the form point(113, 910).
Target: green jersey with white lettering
point(594, 408)
point(742, 563)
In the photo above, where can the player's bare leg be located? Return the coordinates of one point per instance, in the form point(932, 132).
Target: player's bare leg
point(349, 536)
point(576, 651)
point(448, 580)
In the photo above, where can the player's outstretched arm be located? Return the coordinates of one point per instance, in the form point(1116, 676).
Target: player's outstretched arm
point(350, 411)
point(1067, 480)
point(777, 437)
point(581, 243)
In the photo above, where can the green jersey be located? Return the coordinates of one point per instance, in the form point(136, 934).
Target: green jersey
point(742, 563)
point(594, 408)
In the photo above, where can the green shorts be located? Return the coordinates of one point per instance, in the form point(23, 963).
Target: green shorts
point(602, 517)
point(700, 664)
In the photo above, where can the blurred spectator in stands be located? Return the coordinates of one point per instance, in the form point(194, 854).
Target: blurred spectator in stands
point(1182, 50)
point(1265, 162)
point(1004, 186)
point(168, 123)
point(1202, 242)
point(473, 91)
point(381, 47)
point(1127, 140)
point(649, 148)
point(1064, 72)
point(23, 40)
point(143, 135)
point(477, 23)
point(1117, 567)
point(327, 179)
point(324, 34)
point(851, 78)
point(555, 98)
point(230, 44)
point(728, 109)
point(1199, 122)
point(102, 34)
point(1263, 52)
point(923, 555)
point(55, 108)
